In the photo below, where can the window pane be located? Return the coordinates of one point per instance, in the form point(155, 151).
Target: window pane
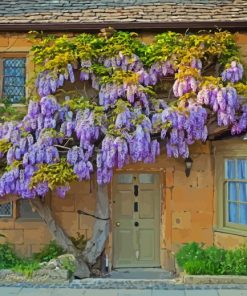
point(6, 210)
point(243, 214)
point(146, 178)
point(233, 212)
point(14, 70)
point(232, 191)
point(230, 172)
point(243, 192)
point(26, 210)
point(241, 169)
point(124, 178)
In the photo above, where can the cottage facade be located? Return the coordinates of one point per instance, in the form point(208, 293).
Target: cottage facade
point(154, 207)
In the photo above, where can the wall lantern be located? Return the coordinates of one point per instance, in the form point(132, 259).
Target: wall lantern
point(188, 165)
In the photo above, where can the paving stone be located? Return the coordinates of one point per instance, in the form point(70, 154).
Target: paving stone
point(168, 293)
point(135, 293)
point(35, 292)
point(232, 293)
point(69, 292)
point(6, 291)
point(202, 293)
point(99, 293)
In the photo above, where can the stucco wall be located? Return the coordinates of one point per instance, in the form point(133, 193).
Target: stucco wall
point(188, 204)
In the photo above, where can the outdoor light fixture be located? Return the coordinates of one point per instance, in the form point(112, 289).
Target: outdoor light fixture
point(188, 165)
point(245, 137)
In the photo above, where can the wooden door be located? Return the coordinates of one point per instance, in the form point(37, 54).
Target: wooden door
point(136, 220)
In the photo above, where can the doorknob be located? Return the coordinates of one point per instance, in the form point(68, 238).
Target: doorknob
point(136, 224)
point(117, 224)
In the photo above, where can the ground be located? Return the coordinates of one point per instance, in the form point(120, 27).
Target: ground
point(19, 291)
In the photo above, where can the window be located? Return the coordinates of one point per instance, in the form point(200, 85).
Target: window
point(236, 191)
point(13, 78)
point(6, 210)
point(26, 211)
point(231, 186)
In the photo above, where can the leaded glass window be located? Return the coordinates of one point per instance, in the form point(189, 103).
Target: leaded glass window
point(14, 72)
point(6, 210)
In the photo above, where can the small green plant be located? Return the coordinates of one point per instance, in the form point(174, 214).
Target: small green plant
point(50, 251)
point(26, 267)
point(69, 265)
point(195, 259)
point(8, 258)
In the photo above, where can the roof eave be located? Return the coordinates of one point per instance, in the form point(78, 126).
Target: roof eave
point(137, 26)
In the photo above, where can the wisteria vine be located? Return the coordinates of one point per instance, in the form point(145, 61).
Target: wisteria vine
point(126, 121)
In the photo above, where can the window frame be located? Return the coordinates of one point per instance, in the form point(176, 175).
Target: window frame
point(223, 150)
point(13, 55)
point(12, 212)
point(23, 218)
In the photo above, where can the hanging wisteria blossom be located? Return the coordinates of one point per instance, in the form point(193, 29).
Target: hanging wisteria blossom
point(68, 134)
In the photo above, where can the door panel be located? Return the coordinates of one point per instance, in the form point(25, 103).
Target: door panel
point(136, 220)
point(146, 204)
point(147, 237)
point(124, 202)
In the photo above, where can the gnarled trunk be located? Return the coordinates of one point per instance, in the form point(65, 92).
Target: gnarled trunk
point(60, 236)
point(96, 244)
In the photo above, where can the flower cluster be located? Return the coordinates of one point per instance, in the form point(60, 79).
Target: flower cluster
point(184, 129)
point(234, 73)
point(184, 86)
point(223, 100)
point(80, 162)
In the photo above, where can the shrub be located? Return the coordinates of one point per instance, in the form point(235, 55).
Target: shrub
point(50, 251)
point(8, 258)
point(188, 252)
point(195, 259)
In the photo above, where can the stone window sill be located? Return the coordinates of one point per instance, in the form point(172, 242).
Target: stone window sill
point(233, 231)
point(29, 220)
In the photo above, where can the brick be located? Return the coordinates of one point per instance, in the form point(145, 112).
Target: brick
point(14, 236)
point(192, 199)
point(228, 241)
point(181, 220)
point(37, 236)
point(200, 235)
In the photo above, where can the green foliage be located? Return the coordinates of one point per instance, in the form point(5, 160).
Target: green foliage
point(195, 259)
point(8, 258)
point(50, 251)
point(55, 174)
point(54, 53)
point(26, 267)
point(10, 113)
point(79, 241)
point(4, 145)
point(68, 265)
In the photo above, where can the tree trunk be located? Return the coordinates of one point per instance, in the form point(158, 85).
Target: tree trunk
point(60, 236)
point(96, 244)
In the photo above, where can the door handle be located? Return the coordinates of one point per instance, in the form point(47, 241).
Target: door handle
point(136, 224)
point(117, 224)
